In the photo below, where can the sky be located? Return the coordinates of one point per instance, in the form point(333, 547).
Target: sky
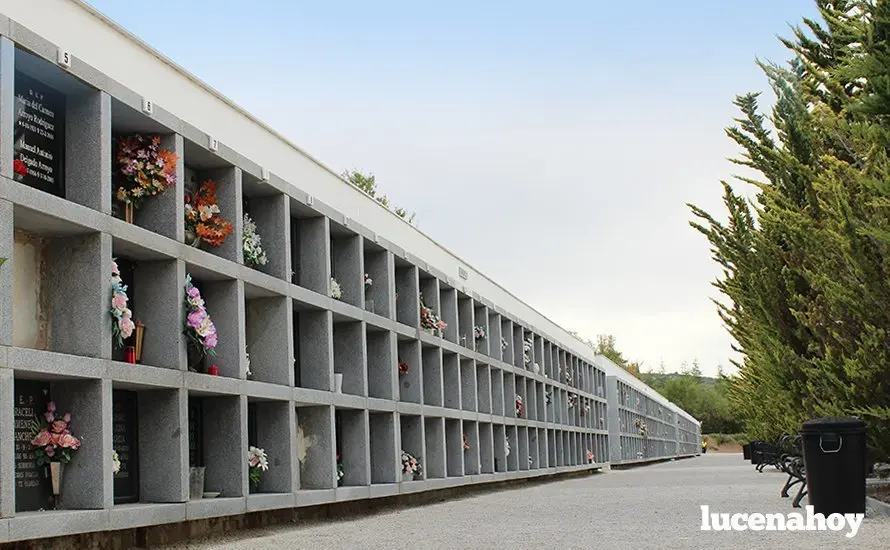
point(551, 145)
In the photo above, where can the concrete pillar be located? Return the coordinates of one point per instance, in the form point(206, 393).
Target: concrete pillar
point(88, 150)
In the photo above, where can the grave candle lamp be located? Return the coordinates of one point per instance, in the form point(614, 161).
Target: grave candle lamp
point(139, 335)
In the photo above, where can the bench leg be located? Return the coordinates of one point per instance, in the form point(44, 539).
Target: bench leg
point(800, 494)
point(784, 493)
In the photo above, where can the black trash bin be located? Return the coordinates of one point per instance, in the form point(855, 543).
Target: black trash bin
point(834, 456)
point(756, 452)
point(746, 451)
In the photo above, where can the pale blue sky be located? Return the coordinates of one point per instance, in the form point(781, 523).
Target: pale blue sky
point(551, 145)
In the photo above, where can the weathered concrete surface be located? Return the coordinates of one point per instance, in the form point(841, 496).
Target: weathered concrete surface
point(648, 507)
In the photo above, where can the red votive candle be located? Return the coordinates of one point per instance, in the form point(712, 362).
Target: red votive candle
point(212, 370)
point(130, 354)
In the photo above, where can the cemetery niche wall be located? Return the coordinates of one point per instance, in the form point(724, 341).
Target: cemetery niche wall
point(301, 347)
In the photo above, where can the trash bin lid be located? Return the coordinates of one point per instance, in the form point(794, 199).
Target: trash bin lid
point(829, 424)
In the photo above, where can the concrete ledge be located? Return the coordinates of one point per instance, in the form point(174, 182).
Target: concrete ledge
point(144, 376)
point(352, 493)
point(270, 501)
point(54, 523)
point(55, 364)
point(384, 490)
point(315, 497)
point(265, 390)
point(215, 507)
point(127, 516)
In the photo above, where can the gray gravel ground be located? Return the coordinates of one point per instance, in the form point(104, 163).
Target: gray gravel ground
point(654, 506)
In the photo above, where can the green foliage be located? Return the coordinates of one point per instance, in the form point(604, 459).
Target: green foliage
point(2, 261)
point(806, 264)
point(704, 398)
point(605, 345)
point(368, 184)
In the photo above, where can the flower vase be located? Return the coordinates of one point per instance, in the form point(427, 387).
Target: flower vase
point(55, 474)
point(338, 382)
point(139, 335)
point(192, 239)
point(195, 359)
point(129, 212)
point(196, 482)
point(407, 476)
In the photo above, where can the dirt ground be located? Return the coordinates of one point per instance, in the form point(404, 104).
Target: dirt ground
point(724, 448)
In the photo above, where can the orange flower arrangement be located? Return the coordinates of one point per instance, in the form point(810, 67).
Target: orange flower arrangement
point(202, 219)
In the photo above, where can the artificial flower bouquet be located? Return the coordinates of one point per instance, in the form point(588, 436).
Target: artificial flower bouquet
point(122, 324)
point(479, 333)
point(336, 291)
point(403, 367)
point(518, 406)
point(199, 327)
point(52, 439)
point(146, 169)
point(203, 222)
point(252, 244)
point(429, 320)
point(411, 465)
point(257, 463)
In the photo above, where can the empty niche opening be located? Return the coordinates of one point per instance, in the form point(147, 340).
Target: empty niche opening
point(454, 445)
point(57, 282)
point(315, 450)
point(486, 449)
point(382, 366)
point(407, 293)
point(483, 388)
point(451, 373)
point(433, 391)
point(384, 463)
point(267, 354)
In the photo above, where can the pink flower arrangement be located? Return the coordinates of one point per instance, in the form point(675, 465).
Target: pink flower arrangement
point(518, 406)
point(122, 324)
point(52, 437)
point(198, 325)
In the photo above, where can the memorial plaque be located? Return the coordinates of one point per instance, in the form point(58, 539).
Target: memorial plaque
point(124, 440)
point(33, 489)
point(196, 433)
point(39, 135)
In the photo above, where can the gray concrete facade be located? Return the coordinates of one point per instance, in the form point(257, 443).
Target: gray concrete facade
point(455, 408)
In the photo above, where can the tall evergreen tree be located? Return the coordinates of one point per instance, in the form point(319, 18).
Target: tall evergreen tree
point(806, 265)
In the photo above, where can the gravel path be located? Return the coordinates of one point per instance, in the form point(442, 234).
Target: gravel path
point(648, 507)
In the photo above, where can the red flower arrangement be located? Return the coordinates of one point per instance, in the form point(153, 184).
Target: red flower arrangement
point(202, 219)
point(403, 366)
point(466, 443)
point(19, 167)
